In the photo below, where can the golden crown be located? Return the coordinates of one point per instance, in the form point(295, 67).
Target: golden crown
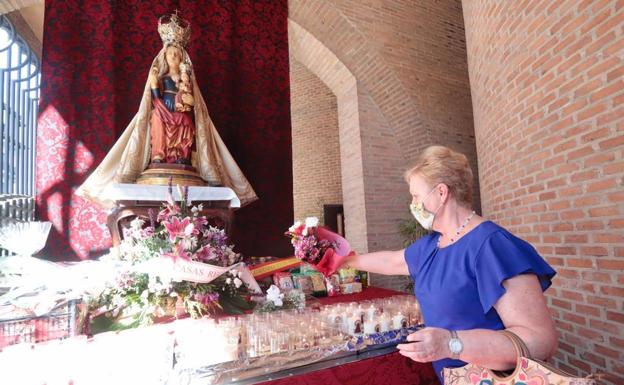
point(174, 30)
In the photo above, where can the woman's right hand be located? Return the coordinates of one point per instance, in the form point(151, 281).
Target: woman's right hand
point(331, 262)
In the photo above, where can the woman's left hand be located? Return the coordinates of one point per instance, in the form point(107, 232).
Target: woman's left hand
point(431, 344)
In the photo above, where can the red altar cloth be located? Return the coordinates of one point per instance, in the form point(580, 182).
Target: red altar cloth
point(366, 294)
point(387, 369)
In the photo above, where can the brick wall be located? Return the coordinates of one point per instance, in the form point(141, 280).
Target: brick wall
point(411, 90)
point(548, 99)
point(316, 150)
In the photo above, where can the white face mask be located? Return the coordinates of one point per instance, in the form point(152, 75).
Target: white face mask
point(422, 215)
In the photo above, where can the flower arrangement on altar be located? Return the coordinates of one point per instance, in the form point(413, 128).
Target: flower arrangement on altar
point(174, 264)
point(316, 245)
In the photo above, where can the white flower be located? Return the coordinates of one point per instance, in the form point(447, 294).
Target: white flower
point(311, 221)
point(137, 223)
point(274, 295)
point(234, 272)
point(189, 243)
point(197, 209)
point(294, 227)
point(237, 282)
point(228, 281)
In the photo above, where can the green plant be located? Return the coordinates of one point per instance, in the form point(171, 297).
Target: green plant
point(411, 231)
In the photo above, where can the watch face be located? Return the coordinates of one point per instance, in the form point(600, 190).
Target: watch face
point(455, 345)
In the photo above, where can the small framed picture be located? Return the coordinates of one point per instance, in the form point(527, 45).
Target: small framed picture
point(283, 280)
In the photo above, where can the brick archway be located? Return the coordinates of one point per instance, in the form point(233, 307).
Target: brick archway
point(317, 58)
point(353, 49)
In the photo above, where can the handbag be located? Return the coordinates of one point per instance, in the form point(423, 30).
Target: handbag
point(528, 371)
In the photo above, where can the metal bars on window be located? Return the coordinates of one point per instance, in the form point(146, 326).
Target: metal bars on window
point(20, 77)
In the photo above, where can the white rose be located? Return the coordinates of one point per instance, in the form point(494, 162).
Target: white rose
point(228, 281)
point(294, 227)
point(274, 295)
point(311, 221)
point(237, 282)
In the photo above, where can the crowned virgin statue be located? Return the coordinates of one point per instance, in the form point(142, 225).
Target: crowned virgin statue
point(172, 134)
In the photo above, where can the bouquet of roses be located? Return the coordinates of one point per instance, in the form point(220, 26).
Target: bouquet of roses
point(318, 246)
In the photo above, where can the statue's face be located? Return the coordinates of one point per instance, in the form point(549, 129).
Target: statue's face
point(173, 55)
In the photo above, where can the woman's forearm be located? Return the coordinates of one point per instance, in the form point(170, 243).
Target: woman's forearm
point(492, 349)
point(381, 262)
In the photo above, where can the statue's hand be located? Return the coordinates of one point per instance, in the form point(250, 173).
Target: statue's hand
point(188, 99)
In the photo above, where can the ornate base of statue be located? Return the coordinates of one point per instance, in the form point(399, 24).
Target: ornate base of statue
point(159, 173)
point(133, 200)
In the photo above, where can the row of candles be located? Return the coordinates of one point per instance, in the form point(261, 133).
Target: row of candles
point(262, 334)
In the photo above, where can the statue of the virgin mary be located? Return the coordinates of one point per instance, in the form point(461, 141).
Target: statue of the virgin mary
point(171, 130)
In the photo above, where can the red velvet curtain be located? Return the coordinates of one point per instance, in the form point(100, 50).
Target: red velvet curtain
point(96, 57)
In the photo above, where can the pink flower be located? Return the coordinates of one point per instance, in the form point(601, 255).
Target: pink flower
point(168, 212)
point(180, 228)
point(205, 253)
point(178, 252)
point(200, 222)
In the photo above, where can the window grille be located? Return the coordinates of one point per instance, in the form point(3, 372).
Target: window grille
point(20, 77)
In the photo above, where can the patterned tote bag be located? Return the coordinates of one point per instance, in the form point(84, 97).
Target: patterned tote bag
point(528, 371)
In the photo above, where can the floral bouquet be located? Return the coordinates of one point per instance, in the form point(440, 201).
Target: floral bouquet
point(175, 264)
point(316, 245)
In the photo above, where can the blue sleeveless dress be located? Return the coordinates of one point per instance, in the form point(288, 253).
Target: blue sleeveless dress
point(458, 285)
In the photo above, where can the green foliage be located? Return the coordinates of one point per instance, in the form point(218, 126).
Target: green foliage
point(234, 304)
point(411, 231)
point(293, 299)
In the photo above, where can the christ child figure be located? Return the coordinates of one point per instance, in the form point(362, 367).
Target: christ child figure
point(184, 88)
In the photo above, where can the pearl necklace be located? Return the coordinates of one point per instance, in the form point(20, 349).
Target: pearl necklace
point(459, 229)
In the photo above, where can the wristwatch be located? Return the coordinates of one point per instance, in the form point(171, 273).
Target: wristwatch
point(456, 346)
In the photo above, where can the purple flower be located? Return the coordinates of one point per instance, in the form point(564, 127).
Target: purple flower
point(207, 299)
point(206, 253)
point(152, 217)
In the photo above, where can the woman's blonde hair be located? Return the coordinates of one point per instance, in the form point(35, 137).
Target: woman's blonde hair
point(439, 164)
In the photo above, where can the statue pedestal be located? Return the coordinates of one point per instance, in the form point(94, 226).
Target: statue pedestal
point(180, 174)
point(133, 200)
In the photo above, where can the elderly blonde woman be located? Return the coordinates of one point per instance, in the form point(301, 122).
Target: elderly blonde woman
point(471, 276)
